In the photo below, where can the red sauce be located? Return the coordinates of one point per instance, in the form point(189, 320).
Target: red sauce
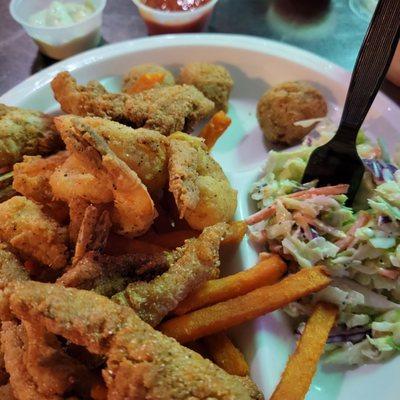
point(195, 26)
point(175, 5)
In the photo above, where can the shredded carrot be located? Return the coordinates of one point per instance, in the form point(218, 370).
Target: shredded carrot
point(267, 271)
point(302, 364)
point(222, 316)
point(269, 211)
point(146, 81)
point(217, 125)
point(362, 220)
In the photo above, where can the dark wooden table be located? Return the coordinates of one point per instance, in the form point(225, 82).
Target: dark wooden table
point(326, 27)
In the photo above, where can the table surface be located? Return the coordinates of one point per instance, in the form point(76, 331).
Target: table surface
point(328, 28)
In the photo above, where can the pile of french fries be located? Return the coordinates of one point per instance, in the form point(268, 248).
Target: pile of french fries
point(202, 319)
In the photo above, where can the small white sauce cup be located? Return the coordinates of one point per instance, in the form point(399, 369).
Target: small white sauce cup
point(60, 42)
point(164, 21)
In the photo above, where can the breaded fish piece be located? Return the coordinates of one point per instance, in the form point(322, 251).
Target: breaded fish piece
point(25, 132)
point(13, 341)
point(31, 179)
point(52, 370)
point(6, 392)
point(201, 190)
point(10, 268)
point(164, 109)
point(108, 275)
point(143, 150)
point(198, 262)
point(33, 233)
point(137, 71)
point(142, 362)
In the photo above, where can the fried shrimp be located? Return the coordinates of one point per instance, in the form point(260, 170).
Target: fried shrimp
point(141, 362)
point(164, 109)
point(33, 233)
point(143, 150)
point(198, 262)
point(137, 72)
point(25, 132)
point(201, 190)
point(31, 179)
point(93, 172)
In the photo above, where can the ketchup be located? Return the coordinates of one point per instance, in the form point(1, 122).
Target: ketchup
point(197, 25)
point(175, 5)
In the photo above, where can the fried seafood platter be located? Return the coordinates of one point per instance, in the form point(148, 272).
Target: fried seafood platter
point(116, 228)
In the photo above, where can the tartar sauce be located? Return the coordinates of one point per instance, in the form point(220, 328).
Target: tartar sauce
point(62, 14)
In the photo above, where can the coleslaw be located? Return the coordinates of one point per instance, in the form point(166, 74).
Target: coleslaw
point(360, 246)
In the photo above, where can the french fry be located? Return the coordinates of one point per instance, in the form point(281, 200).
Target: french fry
point(266, 272)
point(225, 354)
point(214, 128)
point(302, 364)
point(118, 245)
point(221, 316)
point(146, 81)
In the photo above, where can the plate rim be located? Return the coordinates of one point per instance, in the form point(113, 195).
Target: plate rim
point(263, 45)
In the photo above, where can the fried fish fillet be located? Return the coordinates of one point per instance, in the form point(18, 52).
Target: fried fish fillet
point(142, 362)
point(25, 132)
point(164, 109)
point(53, 371)
point(34, 234)
point(108, 275)
point(6, 392)
point(10, 268)
point(200, 187)
point(197, 263)
point(13, 341)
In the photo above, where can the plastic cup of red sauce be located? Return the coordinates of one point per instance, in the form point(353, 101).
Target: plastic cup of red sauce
point(175, 16)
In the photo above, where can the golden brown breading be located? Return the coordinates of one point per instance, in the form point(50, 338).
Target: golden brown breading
point(25, 132)
point(31, 179)
point(77, 208)
point(164, 109)
point(283, 105)
point(137, 71)
point(52, 370)
point(140, 359)
point(108, 275)
point(34, 234)
point(143, 150)
point(6, 392)
point(198, 262)
point(13, 340)
point(201, 190)
point(10, 268)
point(95, 173)
point(213, 80)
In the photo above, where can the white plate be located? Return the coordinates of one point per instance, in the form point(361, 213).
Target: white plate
point(255, 64)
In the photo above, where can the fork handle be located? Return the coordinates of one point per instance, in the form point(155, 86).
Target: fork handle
point(372, 63)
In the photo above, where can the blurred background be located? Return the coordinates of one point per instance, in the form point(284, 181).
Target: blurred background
point(333, 29)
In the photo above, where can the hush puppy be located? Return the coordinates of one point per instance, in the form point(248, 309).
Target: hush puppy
point(283, 105)
point(213, 80)
point(137, 71)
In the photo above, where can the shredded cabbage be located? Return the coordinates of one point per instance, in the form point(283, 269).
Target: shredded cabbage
point(360, 246)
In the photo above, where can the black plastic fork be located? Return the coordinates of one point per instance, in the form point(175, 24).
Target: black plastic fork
point(337, 162)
